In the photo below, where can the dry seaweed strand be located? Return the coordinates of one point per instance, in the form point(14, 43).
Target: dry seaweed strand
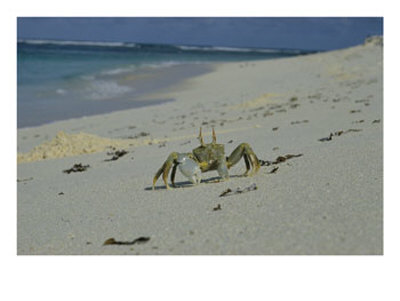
point(225, 192)
point(116, 155)
point(279, 159)
point(217, 208)
point(229, 192)
point(274, 170)
point(76, 168)
point(24, 180)
point(139, 240)
point(338, 133)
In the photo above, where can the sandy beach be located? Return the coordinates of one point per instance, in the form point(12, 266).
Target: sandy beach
point(316, 121)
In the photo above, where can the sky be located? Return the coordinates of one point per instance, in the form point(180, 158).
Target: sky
point(313, 33)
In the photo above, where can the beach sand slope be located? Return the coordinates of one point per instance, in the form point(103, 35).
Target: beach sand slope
point(325, 108)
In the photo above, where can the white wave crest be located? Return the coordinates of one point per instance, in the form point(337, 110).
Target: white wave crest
point(227, 49)
point(101, 90)
point(77, 43)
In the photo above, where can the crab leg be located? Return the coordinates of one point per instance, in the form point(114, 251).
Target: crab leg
point(244, 150)
point(246, 160)
point(165, 168)
point(173, 172)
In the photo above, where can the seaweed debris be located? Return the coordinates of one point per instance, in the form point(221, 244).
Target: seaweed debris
point(76, 168)
point(217, 208)
point(139, 240)
point(279, 159)
point(25, 180)
point(338, 133)
point(274, 169)
point(229, 192)
point(299, 121)
point(141, 134)
point(116, 155)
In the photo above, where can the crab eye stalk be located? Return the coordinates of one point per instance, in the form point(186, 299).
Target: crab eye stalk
point(201, 138)
point(214, 137)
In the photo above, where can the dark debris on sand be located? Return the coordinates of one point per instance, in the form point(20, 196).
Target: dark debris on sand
point(139, 240)
point(229, 192)
point(76, 168)
point(337, 134)
point(279, 159)
point(116, 155)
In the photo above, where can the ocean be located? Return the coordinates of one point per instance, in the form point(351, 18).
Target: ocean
point(58, 80)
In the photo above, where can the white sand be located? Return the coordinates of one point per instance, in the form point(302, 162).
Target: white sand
point(328, 201)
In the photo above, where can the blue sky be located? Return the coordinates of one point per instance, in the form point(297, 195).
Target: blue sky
point(298, 33)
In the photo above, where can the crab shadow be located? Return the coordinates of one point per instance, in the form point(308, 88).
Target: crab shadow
point(187, 184)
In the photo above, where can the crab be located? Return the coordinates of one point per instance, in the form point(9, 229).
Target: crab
point(207, 157)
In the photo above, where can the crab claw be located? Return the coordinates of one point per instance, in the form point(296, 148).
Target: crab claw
point(189, 168)
point(187, 165)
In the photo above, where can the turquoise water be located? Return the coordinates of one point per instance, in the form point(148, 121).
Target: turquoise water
point(66, 79)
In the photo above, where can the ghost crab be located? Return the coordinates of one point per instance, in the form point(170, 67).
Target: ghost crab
point(207, 157)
